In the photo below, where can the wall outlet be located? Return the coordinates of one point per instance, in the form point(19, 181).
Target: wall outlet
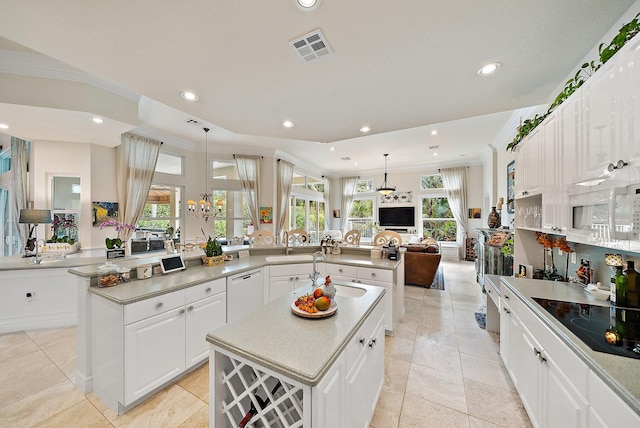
point(573, 257)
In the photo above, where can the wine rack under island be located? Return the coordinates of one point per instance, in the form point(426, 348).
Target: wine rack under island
point(273, 368)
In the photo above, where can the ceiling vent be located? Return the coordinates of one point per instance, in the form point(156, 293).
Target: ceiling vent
point(346, 158)
point(433, 147)
point(311, 46)
point(193, 122)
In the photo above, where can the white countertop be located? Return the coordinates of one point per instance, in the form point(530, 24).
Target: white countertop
point(300, 348)
point(622, 374)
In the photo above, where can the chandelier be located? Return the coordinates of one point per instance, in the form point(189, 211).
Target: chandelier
point(203, 209)
point(386, 188)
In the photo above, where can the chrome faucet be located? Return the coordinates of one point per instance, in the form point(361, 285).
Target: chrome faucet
point(315, 274)
point(285, 237)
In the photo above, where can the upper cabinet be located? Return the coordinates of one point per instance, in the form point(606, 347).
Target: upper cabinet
point(603, 141)
point(529, 167)
point(631, 103)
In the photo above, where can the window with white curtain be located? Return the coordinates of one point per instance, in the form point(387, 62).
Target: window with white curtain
point(436, 216)
point(307, 205)
point(361, 217)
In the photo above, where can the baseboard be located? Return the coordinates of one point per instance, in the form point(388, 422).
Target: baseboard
point(65, 319)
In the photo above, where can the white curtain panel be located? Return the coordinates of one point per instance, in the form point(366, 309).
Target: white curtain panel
point(454, 181)
point(136, 159)
point(347, 194)
point(327, 210)
point(19, 159)
point(285, 178)
point(249, 173)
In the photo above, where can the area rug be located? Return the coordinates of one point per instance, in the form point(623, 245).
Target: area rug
point(438, 281)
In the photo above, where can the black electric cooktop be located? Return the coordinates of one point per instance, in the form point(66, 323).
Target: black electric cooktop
point(614, 330)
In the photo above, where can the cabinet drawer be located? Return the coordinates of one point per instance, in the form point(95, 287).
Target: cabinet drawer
point(206, 289)
point(366, 274)
point(341, 270)
point(153, 306)
point(300, 269)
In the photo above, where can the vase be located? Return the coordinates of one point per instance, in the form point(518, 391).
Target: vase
point(494, 220)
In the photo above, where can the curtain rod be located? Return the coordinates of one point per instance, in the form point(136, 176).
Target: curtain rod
point(439, 170)
point(261, 157)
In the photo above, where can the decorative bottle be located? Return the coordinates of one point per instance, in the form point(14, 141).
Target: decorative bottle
point(632, 284)
point(621, 287)
point(494, 220)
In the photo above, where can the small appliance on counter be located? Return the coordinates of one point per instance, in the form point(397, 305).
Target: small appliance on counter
point(392, 251)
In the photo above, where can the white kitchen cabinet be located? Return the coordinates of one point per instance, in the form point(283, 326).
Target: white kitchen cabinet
point(283, 279)
point(631, 100)
point(510, 339)
point(366, 375)
point(139, 347)
point(329, 407)
point(554, 194)
point(601, 96)
point(529, 165)
point(153, 352)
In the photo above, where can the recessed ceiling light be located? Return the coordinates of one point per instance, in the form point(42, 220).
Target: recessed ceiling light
point(435, 153)
point(365, 129)
point(307, 5)
point(488, 69)
point(434, 132)
point(189, 96)
point(355, 164)
point(97, 120)
point(4, 126)
point(287, 124)
point(332, 148)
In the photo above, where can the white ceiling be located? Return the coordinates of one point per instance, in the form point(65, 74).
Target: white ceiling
point(404, 68)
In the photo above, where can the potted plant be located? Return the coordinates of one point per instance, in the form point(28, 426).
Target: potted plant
point(213, 252)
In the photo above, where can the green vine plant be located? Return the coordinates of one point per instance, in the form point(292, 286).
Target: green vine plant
point(606, 51)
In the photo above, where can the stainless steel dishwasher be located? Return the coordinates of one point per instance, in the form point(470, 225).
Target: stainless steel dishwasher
point(245, 293)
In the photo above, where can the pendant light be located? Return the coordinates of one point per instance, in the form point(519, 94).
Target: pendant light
point(203, 208)
point(386, 188)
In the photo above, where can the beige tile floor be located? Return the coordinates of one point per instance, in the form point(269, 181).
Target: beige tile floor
point(441, 370)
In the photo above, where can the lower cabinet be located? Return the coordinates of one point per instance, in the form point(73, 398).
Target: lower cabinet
point(139, 347)
point(283, 279)
point(556, 387)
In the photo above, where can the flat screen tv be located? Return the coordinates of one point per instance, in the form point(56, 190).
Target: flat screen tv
point(396, 216)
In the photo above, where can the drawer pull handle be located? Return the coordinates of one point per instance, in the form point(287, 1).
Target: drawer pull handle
point(297, 278)
point(362, 340)
point(541, 358)
point(291, 279)
point(506, 296)
point(159, 305)
point(190, 308)
point(507, 310)
point(535, 351)
point(372, 343)
point(208, 290)
point(181, 311)
point(340, 270)
point(373, 275)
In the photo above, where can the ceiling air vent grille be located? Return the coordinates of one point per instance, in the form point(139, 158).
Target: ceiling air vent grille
point(193, 122)
point(311, 46)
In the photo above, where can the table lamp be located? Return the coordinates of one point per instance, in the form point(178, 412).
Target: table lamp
point(35, 217)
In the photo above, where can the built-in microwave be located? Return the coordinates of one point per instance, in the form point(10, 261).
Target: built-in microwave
point(603, 214)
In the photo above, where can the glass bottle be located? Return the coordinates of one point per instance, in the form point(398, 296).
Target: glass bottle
point(632, 284)
point(621, 287)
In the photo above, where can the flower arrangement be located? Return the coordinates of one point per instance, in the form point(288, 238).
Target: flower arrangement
point(112, 243)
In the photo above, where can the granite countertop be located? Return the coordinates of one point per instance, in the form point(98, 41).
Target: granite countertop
point(300, 348)
point(620, 373)
point(195, 273)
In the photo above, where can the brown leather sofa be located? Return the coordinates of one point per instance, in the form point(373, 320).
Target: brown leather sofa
point(421, 262)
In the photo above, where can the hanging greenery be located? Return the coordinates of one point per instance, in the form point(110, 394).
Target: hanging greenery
point(626, 33)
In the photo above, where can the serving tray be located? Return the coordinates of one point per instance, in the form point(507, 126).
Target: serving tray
point(320, 314)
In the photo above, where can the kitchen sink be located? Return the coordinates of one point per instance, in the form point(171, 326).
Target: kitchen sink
point(347, 291)
point(290, 258)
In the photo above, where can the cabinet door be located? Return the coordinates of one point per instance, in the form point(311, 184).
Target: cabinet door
point(529, 385)
point(154, 350)
point(281, 286)
point(601, 106)
point(631, 100)
point(563, 404)
point(511, 343)
point(550, 181)
point(328, 398)
point(534, 169)
point(202, 317)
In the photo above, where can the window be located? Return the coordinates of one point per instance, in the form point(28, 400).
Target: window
point(225, 169)
point(361, 218)
point(437, 218)
point(364, 186)
point(307, 182)
point(234, 218)
point(308, 215)
point(169, 164)
point(162, 209)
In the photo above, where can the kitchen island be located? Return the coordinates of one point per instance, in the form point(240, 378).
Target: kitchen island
point(314, 372)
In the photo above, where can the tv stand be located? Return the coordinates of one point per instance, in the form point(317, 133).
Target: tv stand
point(409, 230)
